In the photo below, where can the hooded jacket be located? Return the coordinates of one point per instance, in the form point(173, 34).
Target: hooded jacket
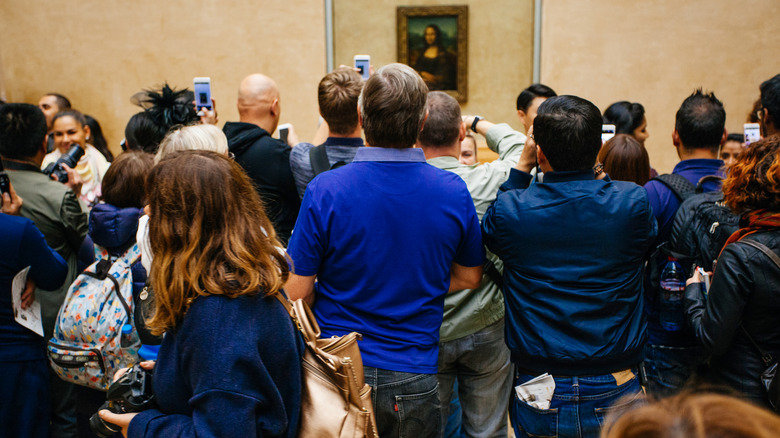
point(267, 162)
point(114, 229)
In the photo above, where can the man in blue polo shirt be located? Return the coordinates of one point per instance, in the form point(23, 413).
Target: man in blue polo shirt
point(386, 238)
point(672, 356)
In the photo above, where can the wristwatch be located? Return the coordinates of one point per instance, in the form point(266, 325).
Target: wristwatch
point(474, 123)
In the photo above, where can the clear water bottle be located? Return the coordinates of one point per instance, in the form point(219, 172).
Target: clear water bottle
point(672, 290)
point(126, 340)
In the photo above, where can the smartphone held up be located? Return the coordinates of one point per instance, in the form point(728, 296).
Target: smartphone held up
point(363, 65)
point(202, 87)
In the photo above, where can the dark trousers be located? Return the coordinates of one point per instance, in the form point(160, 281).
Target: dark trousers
point(24, 399)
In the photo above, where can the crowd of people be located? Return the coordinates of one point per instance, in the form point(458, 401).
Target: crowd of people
point(519, 289)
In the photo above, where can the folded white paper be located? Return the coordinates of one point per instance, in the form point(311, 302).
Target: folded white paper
point(537, 392)
point(31, 317)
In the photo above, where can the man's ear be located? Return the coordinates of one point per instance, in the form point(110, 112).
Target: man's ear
point(424, 120)
point(360, 117)
point(724, 137)
point(275, 108)
point(521, 114)
point(462, 134)
point(676, 138)
point(540, 158)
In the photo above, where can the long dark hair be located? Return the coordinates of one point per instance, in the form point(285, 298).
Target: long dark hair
point(97, 139)
point(437, 42)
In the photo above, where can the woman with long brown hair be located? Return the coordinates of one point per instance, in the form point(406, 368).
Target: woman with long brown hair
point(229, 364)
point(744, 300)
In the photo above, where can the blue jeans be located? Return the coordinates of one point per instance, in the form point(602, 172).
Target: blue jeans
point(481, 364)
point(406, 404)
point(579, 406)
point(669, 368)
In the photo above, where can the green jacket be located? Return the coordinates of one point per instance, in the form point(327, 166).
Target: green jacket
point(469, 311)
point(61, 218)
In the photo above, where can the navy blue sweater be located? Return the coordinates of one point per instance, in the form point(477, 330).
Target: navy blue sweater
point(23, 245)
point(231, 369)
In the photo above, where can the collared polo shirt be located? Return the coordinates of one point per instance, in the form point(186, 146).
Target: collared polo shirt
point(381, 235)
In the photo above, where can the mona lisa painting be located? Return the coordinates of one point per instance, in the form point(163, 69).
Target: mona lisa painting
point(432, 40)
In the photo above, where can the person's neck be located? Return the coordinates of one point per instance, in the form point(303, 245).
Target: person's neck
point(444, 151)
point(356, 133)
point(35, 161)
point(266, 123)
point(695, 154)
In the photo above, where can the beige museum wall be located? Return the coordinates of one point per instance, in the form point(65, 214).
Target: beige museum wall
point(101, 52)
point(657, 53)
point(500, 47)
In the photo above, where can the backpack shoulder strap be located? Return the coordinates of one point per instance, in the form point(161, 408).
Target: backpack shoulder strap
point(319, 159)
point(132, 255)
point(681, 187)
point(763, 248)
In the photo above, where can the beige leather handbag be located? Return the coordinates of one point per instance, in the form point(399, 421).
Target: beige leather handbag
point(335, 400)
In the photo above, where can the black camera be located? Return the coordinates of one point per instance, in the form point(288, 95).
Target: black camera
point(71, 158)
point(130, 393)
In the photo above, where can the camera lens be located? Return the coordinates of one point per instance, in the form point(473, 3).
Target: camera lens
point(101, 428)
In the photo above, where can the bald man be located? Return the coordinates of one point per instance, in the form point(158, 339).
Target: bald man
point(265, 159)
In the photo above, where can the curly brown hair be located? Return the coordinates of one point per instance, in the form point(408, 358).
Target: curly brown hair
point(753, 182)
point(209, 235)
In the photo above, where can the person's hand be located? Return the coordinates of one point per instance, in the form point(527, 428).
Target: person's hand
point(292, 137)
point(695, 278)
point(12, 203)
point(527, 160)
point(28, 294)
point(74, 179)
point(207, 116)
point(148, 365)
point(121, 420)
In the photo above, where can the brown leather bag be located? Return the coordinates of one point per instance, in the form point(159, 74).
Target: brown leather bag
point(335, 400)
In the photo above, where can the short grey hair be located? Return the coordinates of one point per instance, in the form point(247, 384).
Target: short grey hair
point(392, 105)
point(194, 137)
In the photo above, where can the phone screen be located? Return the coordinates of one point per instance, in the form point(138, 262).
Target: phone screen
point(363, 65)
point(752, 133)
point(607, 132)
point(203, 94)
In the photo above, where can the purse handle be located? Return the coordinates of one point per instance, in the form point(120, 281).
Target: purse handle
point(765, 357)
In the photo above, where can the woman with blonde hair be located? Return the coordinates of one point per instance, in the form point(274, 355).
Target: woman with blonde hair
point(193, 137)
point(229, 364)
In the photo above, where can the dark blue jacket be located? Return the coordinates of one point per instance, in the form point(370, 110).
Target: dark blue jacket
point(114, 229)
point(573, 250)
point(231, 369)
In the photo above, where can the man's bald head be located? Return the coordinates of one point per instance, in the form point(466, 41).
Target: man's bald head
point(258, 101)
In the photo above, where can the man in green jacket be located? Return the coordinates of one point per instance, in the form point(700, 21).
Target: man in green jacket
point(471, 348)
point(57, 213)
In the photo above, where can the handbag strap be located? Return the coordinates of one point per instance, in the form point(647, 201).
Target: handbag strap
point(766, 357)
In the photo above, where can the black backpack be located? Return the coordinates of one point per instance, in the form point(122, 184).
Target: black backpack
point(700, 228)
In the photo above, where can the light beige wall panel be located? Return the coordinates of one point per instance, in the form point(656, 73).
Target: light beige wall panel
point(500, 47)
point(101, 52)
point(657, 53)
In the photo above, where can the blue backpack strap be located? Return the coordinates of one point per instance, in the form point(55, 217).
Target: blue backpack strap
point(681, 187)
